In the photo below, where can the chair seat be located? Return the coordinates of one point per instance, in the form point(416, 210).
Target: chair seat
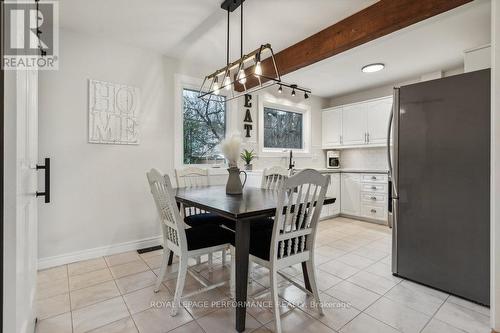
point(260, 243)
point(208, 236)
point(205, 219)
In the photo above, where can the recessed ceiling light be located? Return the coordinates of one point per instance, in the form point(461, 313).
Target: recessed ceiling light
point(372, 68)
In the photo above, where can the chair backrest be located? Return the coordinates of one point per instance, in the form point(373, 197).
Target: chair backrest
point(274, 177)
point(191, 177)
point(300, 201)
point(171, 222)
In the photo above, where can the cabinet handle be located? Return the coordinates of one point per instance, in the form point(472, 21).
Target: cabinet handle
point(374, 187)
point(374, 198)
point(374, 178)
point(373, 210)
point(367, 137)
point(341, 140)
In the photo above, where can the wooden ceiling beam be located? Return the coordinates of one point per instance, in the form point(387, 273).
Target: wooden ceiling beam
point(377, 20)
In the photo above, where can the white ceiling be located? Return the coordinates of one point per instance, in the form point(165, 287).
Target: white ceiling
point(195, 31)
point(432, 45)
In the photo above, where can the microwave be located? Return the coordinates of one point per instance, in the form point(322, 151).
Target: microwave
point(333, 159)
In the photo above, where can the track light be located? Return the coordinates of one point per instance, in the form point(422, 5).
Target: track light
point(306, 96)
point(293, 92)
point(280, 89)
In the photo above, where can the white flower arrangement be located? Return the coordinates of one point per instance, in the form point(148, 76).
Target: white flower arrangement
point(231, 147)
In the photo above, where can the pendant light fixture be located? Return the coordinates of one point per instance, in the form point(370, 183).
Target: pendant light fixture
point(248, 73)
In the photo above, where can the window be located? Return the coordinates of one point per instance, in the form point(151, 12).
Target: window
point(283, 129)
point(204, 126)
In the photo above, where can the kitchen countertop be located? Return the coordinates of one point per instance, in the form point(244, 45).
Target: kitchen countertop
point(223, 171)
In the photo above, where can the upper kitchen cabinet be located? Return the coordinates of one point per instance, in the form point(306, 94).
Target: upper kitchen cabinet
point(361, 124)
point(354, 124)
point(332, 127)
point(377, 120)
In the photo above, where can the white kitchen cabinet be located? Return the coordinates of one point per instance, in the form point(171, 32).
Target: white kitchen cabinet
point(359, 125)
point(334, 192)
point(377, 120)
point(332, 127)
point(353, 124)
point(374, 197)
point(350, 194)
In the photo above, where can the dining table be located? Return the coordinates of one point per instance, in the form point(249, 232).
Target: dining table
point(254, 203)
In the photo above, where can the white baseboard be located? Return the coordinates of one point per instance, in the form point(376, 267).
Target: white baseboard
point(67, 258)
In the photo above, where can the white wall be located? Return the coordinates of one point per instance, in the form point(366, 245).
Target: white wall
point(495, 169)
point(99, 192)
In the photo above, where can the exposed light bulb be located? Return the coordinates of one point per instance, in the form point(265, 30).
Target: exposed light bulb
point(241, 76)
point(216, 86)
point(293, 92)
point(258, 69)
point(227, 82)
point(280, 89)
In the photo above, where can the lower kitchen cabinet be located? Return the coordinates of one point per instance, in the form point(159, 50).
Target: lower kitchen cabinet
point(350, 194)
point(364, 195)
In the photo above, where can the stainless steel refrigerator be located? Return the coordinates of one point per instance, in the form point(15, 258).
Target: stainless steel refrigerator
point(439, 204)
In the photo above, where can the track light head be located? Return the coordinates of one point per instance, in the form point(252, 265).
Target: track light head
point(306, 96)
point(280, 89)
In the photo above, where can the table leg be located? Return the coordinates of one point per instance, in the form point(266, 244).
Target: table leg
point(307, 283)
point(242, 256)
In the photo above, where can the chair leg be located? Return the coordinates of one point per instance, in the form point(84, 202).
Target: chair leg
point(167, 254)
point(274, 297)
point(311, 271)
point(210, 262)
point(179, 286)
point(232, 281)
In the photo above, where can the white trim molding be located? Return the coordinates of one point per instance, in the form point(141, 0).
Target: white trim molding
point(267, 100)
point(96, 252)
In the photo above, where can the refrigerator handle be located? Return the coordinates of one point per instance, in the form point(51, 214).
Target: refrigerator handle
point(389, 156)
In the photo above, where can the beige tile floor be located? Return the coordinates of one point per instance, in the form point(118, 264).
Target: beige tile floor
point(115, 294)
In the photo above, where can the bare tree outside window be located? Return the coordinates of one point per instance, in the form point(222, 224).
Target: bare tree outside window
point(282, 129)
point(204, 126)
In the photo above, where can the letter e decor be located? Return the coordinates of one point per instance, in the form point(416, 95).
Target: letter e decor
point(113, 113)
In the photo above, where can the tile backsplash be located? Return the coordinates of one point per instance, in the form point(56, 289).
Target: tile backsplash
point(364, 158)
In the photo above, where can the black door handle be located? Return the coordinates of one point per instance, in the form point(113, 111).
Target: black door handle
point(45, 167)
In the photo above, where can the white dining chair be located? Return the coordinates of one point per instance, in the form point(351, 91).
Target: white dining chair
point(273, 178)
point(185, 243)
point(291, 240)
point(196, 177)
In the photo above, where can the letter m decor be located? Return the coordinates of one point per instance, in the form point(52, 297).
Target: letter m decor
point(113, 113)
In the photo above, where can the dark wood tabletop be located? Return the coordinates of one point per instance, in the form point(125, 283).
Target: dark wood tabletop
point(252, 203)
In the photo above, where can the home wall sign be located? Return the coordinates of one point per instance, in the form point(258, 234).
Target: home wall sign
point(113, 113)
point(248, 116)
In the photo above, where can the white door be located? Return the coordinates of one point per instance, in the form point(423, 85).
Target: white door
point(353, 125)
point(332, 127)
point(377, 118)
point(21, 154)
point(350, 194)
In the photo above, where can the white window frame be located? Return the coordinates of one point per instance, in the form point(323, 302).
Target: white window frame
point(187, 82)
point(305, 110)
